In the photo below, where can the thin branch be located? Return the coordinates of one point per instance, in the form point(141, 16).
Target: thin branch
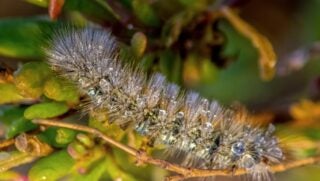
point(86, 129)
point(182, 172)
point(16, 159)
point(6, 143)
point(29, 148)
point(295, 164)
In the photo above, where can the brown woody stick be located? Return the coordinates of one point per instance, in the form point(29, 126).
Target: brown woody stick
point(182, 172)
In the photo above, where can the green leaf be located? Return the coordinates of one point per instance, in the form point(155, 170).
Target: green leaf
point(59, 89)
point(41, 3)
point(126, 164)
point(9, 94)
point(31, 78)
point(145, 13)
point(52, 167)
point(58, 137)
point(95, 174)
point(10, 113)
point(147, 61)
point(10, 175)
point(112, 130)
point(96, 8)
point(15, 122)
point(19, 126)
point(138, 43)
point(93, 164)
point(45, 110)
point(24, 37)
point(116, 172)
point(310, 14)
point(313, 133)
point(209, 71)
point(170, 65)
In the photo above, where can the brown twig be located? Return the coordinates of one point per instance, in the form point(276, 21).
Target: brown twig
point(29, 148)
point(16, 159)
point(86, 129)
point(182, 172)
point(6, 143)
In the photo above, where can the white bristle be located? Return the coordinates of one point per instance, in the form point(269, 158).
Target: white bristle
point(210, 136)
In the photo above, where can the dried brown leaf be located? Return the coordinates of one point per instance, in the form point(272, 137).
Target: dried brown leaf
point(306, 113)
point(267, 60)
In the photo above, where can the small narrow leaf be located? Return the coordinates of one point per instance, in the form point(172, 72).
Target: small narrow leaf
point(58, 137)
point(24, 37)
point(45, 110)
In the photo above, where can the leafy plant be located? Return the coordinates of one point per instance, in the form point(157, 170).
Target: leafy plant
point(202, 45)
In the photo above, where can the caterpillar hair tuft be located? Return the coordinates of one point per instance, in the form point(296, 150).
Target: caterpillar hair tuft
point(211, 137)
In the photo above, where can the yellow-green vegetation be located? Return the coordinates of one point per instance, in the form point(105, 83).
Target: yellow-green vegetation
point(53, 167)
point(45, 110)
point(30, 78)
point(59, 89)
point(214, 47)
point(9, 93)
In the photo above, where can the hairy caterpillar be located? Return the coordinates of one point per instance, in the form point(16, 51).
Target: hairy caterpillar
point(210, 136)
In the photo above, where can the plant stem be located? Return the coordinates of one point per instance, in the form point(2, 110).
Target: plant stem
point(182, 172)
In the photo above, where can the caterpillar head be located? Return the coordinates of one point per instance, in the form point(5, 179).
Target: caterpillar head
point(83, 55)
point(87, 56)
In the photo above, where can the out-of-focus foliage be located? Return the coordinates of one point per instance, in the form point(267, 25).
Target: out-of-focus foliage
point(30, 78)
point(22, 37)
point(59, 89)
point(45, 110)
point(15, 122)
point(51, 167)
point(190, 41)
point(306, 112)
point(9, 93)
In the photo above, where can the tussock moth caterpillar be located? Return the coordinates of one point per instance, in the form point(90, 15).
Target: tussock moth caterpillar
point(210, 136)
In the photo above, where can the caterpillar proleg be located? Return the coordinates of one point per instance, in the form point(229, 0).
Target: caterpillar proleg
point(209, 135)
